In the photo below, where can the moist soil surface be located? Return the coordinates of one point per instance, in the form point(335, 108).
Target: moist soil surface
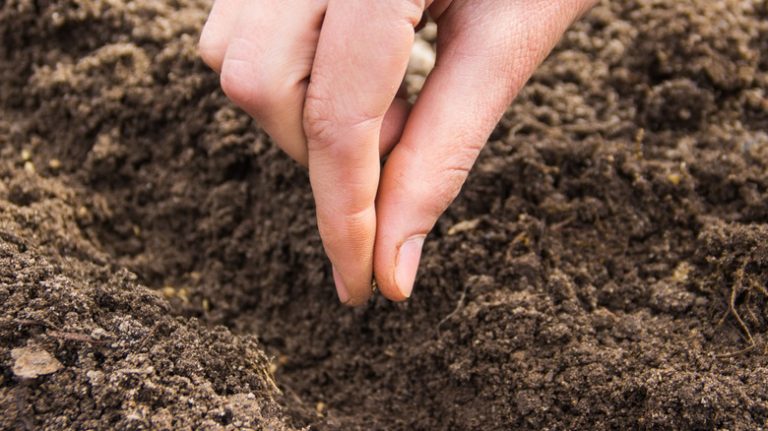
point(605, 267)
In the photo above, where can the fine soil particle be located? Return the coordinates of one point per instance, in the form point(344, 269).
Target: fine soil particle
point(605, 267)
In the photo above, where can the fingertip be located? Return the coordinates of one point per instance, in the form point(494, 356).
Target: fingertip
point(359, 299)
point(389, 289)
point(384, 271)
point(341, 287)
point(397, 268)
point(345, 296)
point(352, 293)
point(407, 264)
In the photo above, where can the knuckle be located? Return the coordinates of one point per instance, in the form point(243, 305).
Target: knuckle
point(443, 194)
point(413, 10)
point(318, 121)
point(452, 176)
point(210, 50)
point(236, 83)
point(323, 123)
point(332, 123)
point(246, 88)
point(446, 191)
point(243, 80)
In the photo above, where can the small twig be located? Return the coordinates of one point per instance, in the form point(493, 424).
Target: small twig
point(459, 305)
point(562, 224)
point(146, 338)
point(292, 393)
point(73, 336)
point(747, 299)
point(29, 322)
point(732, 311)
point(755, 285)
point(736, 353)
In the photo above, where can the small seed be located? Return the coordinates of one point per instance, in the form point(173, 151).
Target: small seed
point(168, 291)
point(29, 167)
point(183, 294)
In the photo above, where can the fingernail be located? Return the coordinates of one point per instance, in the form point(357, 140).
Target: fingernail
point(341, 288)
point(408, 264)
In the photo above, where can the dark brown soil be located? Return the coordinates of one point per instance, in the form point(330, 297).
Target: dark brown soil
point(606, 266)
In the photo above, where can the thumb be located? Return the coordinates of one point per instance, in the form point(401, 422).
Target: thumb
point(480, 69)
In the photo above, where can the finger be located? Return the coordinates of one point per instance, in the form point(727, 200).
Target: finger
point(217, 31)
point(356, 74)
point(479, 70)
point(394, 123)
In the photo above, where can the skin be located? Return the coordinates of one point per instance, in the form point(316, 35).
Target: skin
point(322, 78)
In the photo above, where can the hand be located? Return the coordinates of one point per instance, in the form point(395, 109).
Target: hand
point(322, 76)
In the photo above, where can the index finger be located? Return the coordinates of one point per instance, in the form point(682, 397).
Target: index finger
point(361, 58)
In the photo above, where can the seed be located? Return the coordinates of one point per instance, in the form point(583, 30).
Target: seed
point(29, 167)
point(168, 291)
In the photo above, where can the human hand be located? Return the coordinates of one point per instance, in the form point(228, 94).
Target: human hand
point(322, 76)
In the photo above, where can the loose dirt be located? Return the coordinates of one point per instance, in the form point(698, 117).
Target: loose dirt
point(605, 267)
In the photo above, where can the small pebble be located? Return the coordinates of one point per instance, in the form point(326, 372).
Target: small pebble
point(95, 377)
point(83, 214)
point(32, 362)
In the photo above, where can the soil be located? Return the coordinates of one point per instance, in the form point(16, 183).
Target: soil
point(605, 267)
